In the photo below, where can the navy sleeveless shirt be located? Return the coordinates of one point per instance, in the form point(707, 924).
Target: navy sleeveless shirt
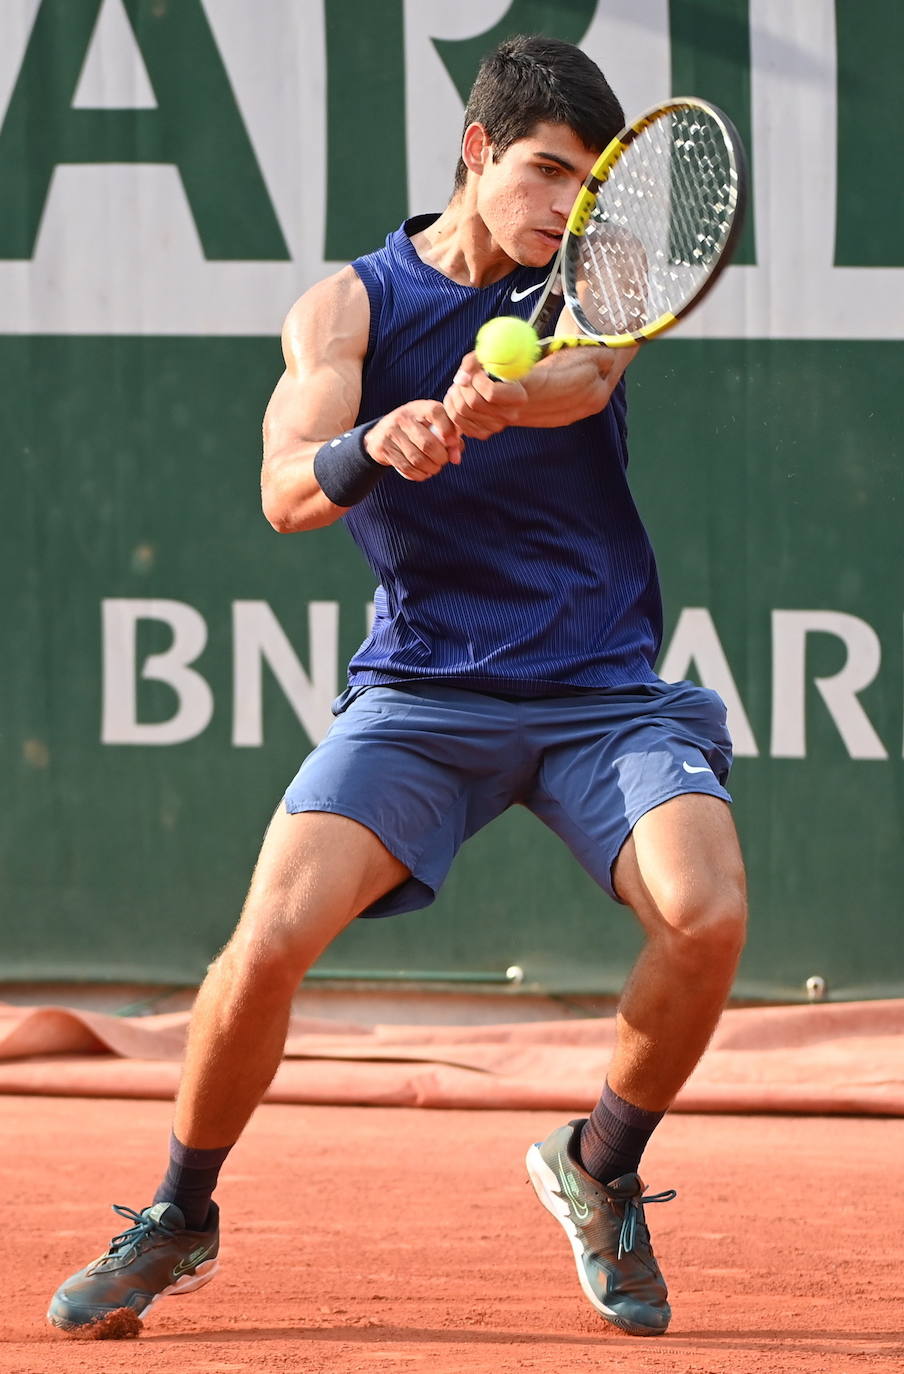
point(525, 570)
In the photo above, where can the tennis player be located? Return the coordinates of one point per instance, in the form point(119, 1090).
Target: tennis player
point(511, 659)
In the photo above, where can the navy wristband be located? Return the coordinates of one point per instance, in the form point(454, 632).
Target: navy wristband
point(344, 469)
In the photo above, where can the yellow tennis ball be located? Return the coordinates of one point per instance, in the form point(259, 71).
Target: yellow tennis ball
point(507, 348)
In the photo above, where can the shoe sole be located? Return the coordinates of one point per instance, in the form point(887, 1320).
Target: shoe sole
point(188, 1283)
point(546, 1186)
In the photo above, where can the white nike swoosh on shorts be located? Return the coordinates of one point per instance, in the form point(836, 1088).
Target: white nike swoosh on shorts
point(689, 768)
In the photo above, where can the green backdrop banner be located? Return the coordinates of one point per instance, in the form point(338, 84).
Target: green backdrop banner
point(168, 659)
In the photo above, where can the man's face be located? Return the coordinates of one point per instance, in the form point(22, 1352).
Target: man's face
point(525, 198)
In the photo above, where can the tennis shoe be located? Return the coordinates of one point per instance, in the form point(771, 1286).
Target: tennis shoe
point(155, 1257)
point(606, 1226)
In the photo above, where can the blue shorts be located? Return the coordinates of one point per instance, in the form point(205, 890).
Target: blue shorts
point(425, 767)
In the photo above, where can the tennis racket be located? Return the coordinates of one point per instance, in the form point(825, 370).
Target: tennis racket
point(654, 224)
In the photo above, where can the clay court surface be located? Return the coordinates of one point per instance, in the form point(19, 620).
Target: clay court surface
point(395, 1238)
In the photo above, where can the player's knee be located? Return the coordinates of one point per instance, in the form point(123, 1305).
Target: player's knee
point(267, 952)
point(259, 966)
point(706, 925)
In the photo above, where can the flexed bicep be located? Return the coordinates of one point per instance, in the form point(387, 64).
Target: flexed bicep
point(315, 401)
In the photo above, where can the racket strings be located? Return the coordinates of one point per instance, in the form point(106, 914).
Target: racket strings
point(661, 219)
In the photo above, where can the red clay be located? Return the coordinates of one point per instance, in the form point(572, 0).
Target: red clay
point(122, 1324)
point(367, 1238)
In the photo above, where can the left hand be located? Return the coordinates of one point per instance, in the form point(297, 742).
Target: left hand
point(571, 384)
point(477, 405)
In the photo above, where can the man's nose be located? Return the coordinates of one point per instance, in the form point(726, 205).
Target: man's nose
point(564, 199)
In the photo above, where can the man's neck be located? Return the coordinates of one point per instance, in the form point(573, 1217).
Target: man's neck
point(460, 246)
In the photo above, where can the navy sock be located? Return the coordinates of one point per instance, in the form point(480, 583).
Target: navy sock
point(615, 1136)
point(190, 1180)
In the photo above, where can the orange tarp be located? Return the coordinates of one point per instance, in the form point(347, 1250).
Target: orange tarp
point(844, 1058)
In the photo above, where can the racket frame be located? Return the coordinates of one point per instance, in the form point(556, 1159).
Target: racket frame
point(557, 288)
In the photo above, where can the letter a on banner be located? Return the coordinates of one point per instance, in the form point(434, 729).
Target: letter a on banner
point(196, 126)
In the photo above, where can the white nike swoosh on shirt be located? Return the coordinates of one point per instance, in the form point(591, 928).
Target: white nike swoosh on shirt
point(519, 295)
point(689, 768)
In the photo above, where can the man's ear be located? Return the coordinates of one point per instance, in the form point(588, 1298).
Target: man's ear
point(476, 149)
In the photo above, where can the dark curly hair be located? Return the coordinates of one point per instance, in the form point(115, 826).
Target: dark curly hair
point(530, 80)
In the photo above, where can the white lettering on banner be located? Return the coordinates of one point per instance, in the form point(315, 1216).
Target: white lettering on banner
point(839, 692)
point(119, 251)
point(258, 638)
point(119, 720)
point(638, 33)
point(696, 642)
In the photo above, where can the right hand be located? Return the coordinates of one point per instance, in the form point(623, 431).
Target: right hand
point(418, 440)
point(480, 405)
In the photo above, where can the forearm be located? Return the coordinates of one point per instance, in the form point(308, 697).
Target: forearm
point(291, 496)
point(563, 388)
point(303, 492)
point(571, 384)
point(308, 485)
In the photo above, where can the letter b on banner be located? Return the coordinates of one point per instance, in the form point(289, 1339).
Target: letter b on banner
point(120, 724)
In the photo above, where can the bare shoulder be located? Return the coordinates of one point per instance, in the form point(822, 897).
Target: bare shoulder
point(333, 316)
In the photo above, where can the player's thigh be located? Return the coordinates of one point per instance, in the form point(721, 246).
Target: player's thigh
point(315, 873)
point(681, 867)
point(423, 769)
point(612, 758)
